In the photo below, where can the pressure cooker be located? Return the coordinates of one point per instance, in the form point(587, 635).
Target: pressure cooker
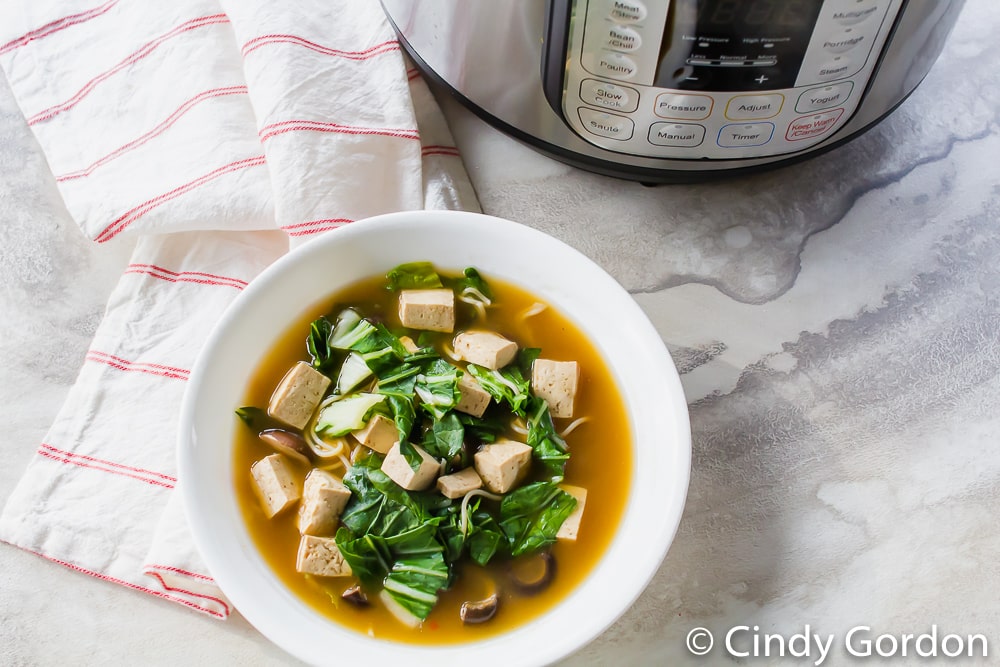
point(676, 90)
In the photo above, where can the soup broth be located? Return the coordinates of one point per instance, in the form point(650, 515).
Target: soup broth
point(600, 461)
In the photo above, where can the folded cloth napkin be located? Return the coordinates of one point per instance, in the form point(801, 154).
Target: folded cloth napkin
point(218, 134)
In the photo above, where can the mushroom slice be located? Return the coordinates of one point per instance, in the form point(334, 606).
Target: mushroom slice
point(545, 563)
point(355, 596)
point(287, 443)
point(479, 611)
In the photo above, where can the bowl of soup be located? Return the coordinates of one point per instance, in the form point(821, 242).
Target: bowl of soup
point(434, 437)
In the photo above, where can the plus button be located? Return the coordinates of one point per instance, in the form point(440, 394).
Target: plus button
point(761, 79)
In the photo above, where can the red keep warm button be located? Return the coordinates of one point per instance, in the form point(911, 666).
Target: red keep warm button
point(807, 127)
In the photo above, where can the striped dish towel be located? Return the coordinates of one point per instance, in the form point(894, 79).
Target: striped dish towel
point(218, 134)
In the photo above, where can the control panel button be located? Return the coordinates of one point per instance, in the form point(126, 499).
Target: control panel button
point(817, 99)
point(681, 135)
point(622, 38)
point(627, 11)
point(683, 107)
point(853, 13)
point(606, 125)
point(845, 40)
point(609, 95)
point(836, 68)
point(615, 65)
point(742, 135)
point(808, 127)
point(753, 107)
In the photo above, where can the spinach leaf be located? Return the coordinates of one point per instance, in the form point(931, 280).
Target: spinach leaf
point(447, 435)
point(368, 556)
point(485, 428)
point(526, 357)
point(485, 537)
point(531, 516)
point(413, 275)
point(546, 444)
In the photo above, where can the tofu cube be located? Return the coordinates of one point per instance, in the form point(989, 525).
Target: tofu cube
point(503, 464)
point(473, 398)
point(295, 398)
point(571, 526)
point(380, 434)
point(274, 484)
point(484, 348)
point(556, 382)
point(427, 309)
point(321, 556)
point(323, 499)
point(457, 484)
point(399, 471)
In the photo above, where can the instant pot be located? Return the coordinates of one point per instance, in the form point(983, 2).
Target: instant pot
point(677, 90)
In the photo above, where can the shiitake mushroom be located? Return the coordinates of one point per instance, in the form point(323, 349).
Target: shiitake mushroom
point(287, 443)
point(479, 611)
point(531, 583)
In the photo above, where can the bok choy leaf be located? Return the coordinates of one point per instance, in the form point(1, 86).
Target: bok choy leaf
point(413, 275)
point(346, 415)
point(531, 516)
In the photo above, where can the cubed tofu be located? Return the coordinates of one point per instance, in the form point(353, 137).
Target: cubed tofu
point(503, 464)
point(321, 557)
point(274, 484)
point(484, 348)
point(571, 526)
point(295, 398)
point(380, 434)
point(457, 484)
point(323, 499)
point(557, 383)
point(399, 471)
point(473, 399)
point(427, 309)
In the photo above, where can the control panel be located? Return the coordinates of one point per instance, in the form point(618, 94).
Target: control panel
point(718, 79)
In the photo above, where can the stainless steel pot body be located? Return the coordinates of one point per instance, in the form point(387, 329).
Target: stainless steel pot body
point(566, 77)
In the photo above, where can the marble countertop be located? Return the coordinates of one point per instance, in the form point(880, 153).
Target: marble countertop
point(837, 330)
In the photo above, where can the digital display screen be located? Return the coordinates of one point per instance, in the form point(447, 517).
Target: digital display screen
point(735, 44)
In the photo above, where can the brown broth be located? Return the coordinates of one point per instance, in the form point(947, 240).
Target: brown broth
point(600, 461)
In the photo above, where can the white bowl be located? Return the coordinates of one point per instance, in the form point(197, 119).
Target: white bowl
point(517, 254)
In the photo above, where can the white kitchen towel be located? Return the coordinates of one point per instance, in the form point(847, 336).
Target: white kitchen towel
point(163, 121)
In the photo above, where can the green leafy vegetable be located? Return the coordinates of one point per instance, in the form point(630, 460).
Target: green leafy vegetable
point(256, 418)
point(352, 373)
point(546, 444)
point(531, 516)
point(346, 415)
point(447, 435)
point(437, 388)
point(318, 344)
point(414, 275)
point(506, 385)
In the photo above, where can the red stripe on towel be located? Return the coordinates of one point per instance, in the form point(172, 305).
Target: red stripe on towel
point(177, 570)
point(315, 226)
point(146, 49)
point(156, 131)
point(188, 592)
point(439, 150)
point(84, 464)
point(282, 127)
point(412, 73)
point(185, 276)
point(139, 367)
point(134, 214)
point(264, 40)
point(66, 454)
point(129, 584)
point(55, 26)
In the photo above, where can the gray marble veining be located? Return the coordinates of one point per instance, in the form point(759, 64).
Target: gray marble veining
point(836, 325)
